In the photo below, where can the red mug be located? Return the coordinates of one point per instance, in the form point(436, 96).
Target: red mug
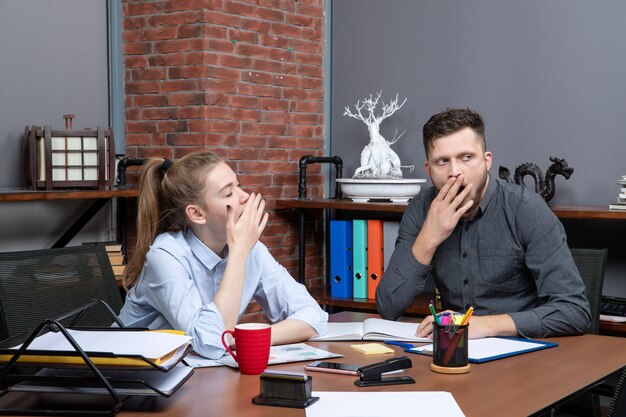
point(252, 346)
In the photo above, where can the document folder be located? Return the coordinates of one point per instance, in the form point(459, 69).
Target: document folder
point(341, 258)
point(375, 256)
point(360, 258)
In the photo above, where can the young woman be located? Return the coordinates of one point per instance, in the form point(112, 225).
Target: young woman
point(198, 261)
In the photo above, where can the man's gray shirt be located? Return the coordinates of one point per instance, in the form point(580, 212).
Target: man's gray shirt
point(512, 257)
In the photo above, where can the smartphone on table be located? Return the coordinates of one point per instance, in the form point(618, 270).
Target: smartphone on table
point(338, 368)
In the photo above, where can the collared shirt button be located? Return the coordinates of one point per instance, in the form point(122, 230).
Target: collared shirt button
point(465, 281)
point(464, 255)
point(466, 228)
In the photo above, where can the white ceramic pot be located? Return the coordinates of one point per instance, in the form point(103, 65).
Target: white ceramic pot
point(363, 190)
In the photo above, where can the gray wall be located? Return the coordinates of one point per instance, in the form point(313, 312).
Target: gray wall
point(548, 76)
point(53, 61)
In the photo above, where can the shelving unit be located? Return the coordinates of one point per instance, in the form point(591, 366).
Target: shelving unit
point(100, 197)
point(587, 212)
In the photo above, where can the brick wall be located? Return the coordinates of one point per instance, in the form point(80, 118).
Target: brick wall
point(240, 78)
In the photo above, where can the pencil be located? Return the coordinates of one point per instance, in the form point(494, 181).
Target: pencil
point(434, 313)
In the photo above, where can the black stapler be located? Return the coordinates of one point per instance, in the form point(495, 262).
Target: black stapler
point(371, 375)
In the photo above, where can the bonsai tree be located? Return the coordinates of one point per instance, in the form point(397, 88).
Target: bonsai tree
point(378, 160)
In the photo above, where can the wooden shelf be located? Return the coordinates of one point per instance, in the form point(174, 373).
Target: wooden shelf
point(419, 306)
point(562, 212)
point(588, 212)
point(23, 194)
point(339, 204)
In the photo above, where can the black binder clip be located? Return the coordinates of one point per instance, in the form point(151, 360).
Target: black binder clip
point(371, 375)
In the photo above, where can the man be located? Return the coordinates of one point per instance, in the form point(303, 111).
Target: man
point(489, 244)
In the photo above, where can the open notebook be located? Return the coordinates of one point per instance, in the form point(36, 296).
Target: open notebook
point(372, 329)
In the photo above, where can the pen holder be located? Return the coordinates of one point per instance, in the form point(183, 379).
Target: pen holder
point(450, 355)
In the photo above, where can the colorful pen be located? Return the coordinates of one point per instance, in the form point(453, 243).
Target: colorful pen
point(401, 344)
point(434, 313)
point(467, 315)
point(446, 319)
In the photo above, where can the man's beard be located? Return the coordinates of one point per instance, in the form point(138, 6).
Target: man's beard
point(476, 196)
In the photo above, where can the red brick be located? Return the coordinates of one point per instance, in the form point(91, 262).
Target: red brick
point(143, 8)
point(235, 61)
point(275, 117)
point(183, 5)
point(141, 127)
point(190, 112)
point(243, 36)
point(192, 71)
point(257, 77)
point(309, 10)
point(284, 30)
point(166, 60)
point(199, 44)
point(137, 138)
point(180, 85)
point(243, 101)
point(287, 80)
point(220, 86)
point(274, 104)
point(306, 131)
point(272, 129)
point(269, 66)
point(182, 139)
point(259, 90)
point(256, 179)
point(186, 99)
point(131, 36)
point(170, 126)
point(312, 83)
point(220, 45)
point(253, 166)
point(177, 45)
point(270, 14)
point(137, 48)
point(150, 101)
point(147, 74)
point(134, 23)
point(215, 99)
point(249, 154)
point(308, 59)
point(255, 51)
point(310, 47)
point(275, 41)
point(295, 93)
point(311, 71)
point(190, 31)
point(223, 73)
point(252, 140)
point(136, 61)
point(178, 18)
point(310, 107)
point(152, 152)
point(310, 143)
point(223, 126)
point(241, 9)
point(256, 25)
point(141, 87)
point(300, 20)
point(222, 18)
point(217, 112)
point(273, 154)
point(282, 142)
point(246, 115)
point(159, 113)
point(160, 33)
point(199, 125)
point(305, 119)
point(216, 32)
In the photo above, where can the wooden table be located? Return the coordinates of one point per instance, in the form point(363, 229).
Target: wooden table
point(517, 386)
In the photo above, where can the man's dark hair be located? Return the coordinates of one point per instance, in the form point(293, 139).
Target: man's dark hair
point(451, 121)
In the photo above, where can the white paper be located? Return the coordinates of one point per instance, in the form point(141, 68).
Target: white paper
point(384, 404)
point(295, 352)
point(150, 344)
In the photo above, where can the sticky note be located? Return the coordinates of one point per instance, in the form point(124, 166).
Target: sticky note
point(372, 349)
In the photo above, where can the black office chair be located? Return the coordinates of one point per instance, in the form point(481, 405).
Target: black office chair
point(44, 284)
point(618, 404)
point(591, 264)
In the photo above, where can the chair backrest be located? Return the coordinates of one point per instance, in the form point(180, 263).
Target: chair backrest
point(591, 264)
point(44, 284)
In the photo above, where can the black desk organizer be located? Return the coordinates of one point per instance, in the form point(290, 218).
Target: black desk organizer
point(119, 383)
